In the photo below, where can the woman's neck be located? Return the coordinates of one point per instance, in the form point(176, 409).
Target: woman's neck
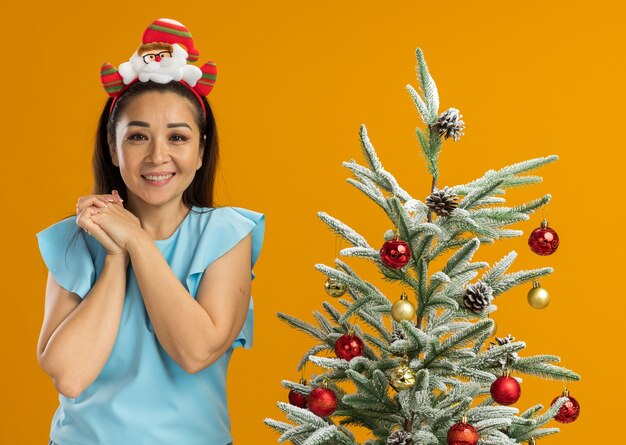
point(160, 222)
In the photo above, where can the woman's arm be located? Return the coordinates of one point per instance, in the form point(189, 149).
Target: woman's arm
point(77, 336)
point(194, 332)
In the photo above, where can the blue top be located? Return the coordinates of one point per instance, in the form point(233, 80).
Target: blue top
point(142, 396)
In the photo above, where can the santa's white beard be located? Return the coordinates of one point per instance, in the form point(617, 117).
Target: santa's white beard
point(165, 62)
point(158, 71)
point(169, 61)
point(167, 69)
point(150, 67)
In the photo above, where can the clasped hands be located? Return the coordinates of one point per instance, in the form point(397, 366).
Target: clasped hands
point(105, 218)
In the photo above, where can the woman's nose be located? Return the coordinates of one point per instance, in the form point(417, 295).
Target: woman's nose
point(158, 151)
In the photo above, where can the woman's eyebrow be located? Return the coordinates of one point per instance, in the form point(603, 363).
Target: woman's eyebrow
point(138, 124)
point(178, 124)
point(147, 125)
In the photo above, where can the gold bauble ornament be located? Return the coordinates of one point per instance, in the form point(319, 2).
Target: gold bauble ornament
point(494, 328)
point(402, 377)
point(335, 288)
point(403, 309)
point(538, 296)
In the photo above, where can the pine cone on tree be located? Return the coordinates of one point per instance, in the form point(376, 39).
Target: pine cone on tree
point(400, 437)
point(477, 297)
point(442, 202)
point(502, 341)
point(398, 334)
point(511, 357)
point(449, 124)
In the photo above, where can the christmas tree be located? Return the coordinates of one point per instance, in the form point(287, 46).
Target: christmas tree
point(421, 370)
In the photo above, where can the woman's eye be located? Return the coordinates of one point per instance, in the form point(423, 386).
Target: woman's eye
point(141, 137)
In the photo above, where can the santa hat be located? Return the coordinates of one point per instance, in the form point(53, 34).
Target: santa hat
point(170, 31)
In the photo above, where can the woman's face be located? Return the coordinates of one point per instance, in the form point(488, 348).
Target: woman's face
point(157, 147)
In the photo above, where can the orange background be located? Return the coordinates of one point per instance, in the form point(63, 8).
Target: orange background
point(295, 81)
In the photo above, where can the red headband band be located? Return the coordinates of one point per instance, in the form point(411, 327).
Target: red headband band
point(116, 97)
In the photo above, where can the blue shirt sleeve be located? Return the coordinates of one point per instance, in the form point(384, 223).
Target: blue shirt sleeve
point(224, 230)
point(67, 256)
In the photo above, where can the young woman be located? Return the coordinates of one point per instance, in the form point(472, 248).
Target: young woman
point(149, 284)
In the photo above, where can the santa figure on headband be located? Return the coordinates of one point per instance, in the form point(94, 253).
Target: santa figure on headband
point(163, 56)
point(160, 62)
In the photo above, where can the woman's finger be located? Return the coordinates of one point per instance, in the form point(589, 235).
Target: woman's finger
point(85, 221)
point(93, 200)
point(89, 200)
point(106, 197)
point(112, 197)
point(109, 197)
point(117, 196)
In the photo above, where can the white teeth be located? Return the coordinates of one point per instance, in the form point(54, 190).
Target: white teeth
point(158, 178)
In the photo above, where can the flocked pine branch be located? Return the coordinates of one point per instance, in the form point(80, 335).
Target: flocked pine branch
point(445, 346)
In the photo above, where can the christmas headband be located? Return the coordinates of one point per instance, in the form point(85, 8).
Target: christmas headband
point(166, 47)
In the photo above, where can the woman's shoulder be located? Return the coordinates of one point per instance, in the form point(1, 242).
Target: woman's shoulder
point(227, 213)
point(214, 231)
point(62, 226)
point(226, 224)
point(68, 255)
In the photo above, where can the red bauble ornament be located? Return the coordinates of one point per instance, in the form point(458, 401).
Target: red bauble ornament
point(395, 253)
point(322, 402)
point(297, 399)
point(349, 346)
point(505, 390)
point(543, 240)
point(569, 411)
point(462, 434)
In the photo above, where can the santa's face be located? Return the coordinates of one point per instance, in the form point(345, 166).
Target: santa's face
point(157, 148)
point(155, 56)
point(160, 64)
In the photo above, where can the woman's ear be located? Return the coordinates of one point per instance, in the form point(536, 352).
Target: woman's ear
point(112, 151)
point(202, 147)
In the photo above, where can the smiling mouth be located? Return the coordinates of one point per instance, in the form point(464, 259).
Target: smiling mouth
point(158, 178)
